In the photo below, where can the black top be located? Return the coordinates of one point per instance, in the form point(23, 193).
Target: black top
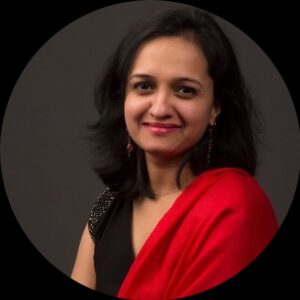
point(110, 228)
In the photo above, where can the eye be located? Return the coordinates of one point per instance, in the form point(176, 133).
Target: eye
point(143, 86)
point(186, 91)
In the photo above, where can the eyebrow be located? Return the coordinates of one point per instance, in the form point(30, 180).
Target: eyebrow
point(179, 79)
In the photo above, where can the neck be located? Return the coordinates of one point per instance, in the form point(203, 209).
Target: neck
point(162, 174)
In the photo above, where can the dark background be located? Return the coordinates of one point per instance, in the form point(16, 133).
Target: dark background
point(27, 27)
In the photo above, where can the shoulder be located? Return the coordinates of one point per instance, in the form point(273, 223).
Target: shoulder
point(237, 193)
point(236, 184)
point(99, 210)
point(235, 205)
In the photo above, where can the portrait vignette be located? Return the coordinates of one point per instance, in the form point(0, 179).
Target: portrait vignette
point(61, 192)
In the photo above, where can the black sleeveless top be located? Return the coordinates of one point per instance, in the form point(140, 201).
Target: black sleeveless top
point(110, 228)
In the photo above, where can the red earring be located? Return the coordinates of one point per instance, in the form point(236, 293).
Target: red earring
point(129, 146)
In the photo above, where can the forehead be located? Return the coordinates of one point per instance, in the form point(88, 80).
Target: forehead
point(170, 56)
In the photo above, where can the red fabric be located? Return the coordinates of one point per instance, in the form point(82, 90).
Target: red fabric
point(216, 227)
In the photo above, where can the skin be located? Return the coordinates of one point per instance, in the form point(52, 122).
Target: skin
point(167, 84)
point(83, 270)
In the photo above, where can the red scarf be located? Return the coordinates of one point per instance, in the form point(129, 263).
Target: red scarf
point(215, 228)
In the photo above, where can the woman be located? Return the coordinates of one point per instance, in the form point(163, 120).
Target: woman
point(182, 211)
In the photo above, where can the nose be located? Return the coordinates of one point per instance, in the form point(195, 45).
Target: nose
point(161, 104)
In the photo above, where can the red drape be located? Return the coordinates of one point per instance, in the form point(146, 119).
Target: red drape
point(216, 227)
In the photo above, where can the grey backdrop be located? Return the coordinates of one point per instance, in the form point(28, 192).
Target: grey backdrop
point(46, 161)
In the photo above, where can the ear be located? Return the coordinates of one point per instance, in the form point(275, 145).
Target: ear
point(214, 113)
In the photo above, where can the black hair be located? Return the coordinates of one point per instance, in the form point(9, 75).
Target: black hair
point(234, 143)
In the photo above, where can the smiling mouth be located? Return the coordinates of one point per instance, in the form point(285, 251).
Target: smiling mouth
point(161, 128)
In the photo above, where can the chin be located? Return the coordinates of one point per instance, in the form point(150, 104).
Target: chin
point(163, 153)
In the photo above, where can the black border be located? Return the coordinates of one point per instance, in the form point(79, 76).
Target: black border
point(28, 26)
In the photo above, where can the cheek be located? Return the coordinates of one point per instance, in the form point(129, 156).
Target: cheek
point(133, 111)
point(196, 116)
point(196, 121)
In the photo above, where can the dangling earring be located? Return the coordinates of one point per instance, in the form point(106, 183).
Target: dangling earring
point(210, 143)
point(129, 146)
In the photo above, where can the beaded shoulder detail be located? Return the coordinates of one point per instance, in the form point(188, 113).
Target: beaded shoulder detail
point(99, 209)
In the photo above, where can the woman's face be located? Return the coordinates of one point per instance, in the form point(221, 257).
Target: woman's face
point(169, 97)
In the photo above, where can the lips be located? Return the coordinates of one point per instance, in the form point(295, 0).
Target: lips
point(161, 128)
point(161, 125)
